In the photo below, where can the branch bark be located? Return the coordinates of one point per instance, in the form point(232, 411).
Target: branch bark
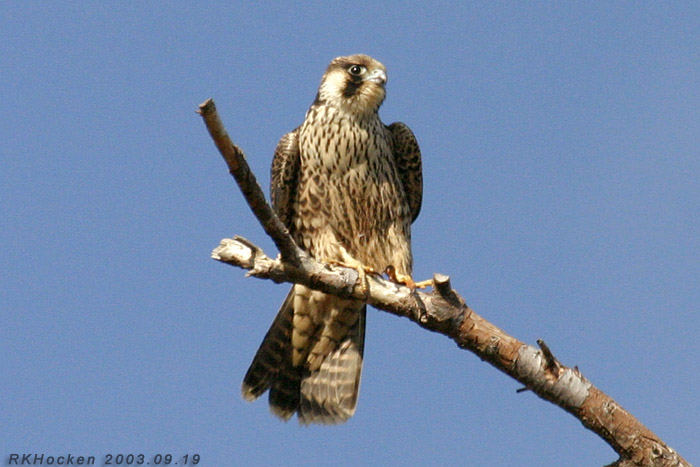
point(443, 311)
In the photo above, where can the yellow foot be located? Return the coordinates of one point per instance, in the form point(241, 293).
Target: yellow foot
point(361, 269)
point(407, 280)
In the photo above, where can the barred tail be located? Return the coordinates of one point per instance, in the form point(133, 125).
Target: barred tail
point(271, 357)
point(327, 395)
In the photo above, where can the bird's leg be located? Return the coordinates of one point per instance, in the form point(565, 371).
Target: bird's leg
point(406, 279)
point(362, 270)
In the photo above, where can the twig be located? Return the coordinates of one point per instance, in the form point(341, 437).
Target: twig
point(444, 312)
point(551, 361)
point(238, 167)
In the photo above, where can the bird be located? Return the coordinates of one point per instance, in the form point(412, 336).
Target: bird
point(347, 187)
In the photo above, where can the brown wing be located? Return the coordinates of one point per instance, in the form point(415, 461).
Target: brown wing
point(284, 177)
point(408, 162)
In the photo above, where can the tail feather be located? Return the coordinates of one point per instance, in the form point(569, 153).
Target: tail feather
point(327, 395)
point(272, 353)
point(285, 392)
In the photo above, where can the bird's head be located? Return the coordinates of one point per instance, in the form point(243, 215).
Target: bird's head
point(354, 83)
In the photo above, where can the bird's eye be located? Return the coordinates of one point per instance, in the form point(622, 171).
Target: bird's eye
point(356, 70)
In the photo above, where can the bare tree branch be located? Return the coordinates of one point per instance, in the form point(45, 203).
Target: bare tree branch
point(238, 167)
point(442, 311)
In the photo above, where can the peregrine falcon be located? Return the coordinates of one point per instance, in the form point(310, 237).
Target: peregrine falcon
point(348, 188)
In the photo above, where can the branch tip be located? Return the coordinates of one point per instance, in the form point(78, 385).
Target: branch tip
point(442, 285)
point(206, 107)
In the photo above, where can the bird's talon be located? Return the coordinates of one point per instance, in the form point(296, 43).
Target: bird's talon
point(361, 269)
point(407, 280)
point(423, 284)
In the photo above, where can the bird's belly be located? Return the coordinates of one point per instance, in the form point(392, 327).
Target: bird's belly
point(362, 209)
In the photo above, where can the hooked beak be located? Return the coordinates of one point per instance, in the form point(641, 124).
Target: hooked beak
point(377, 76)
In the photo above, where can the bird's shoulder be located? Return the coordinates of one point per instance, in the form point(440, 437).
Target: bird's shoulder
point(404, 142)
point(407, 155)
point(284, 174)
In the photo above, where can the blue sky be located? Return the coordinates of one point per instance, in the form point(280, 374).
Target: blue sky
point(561, 149)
